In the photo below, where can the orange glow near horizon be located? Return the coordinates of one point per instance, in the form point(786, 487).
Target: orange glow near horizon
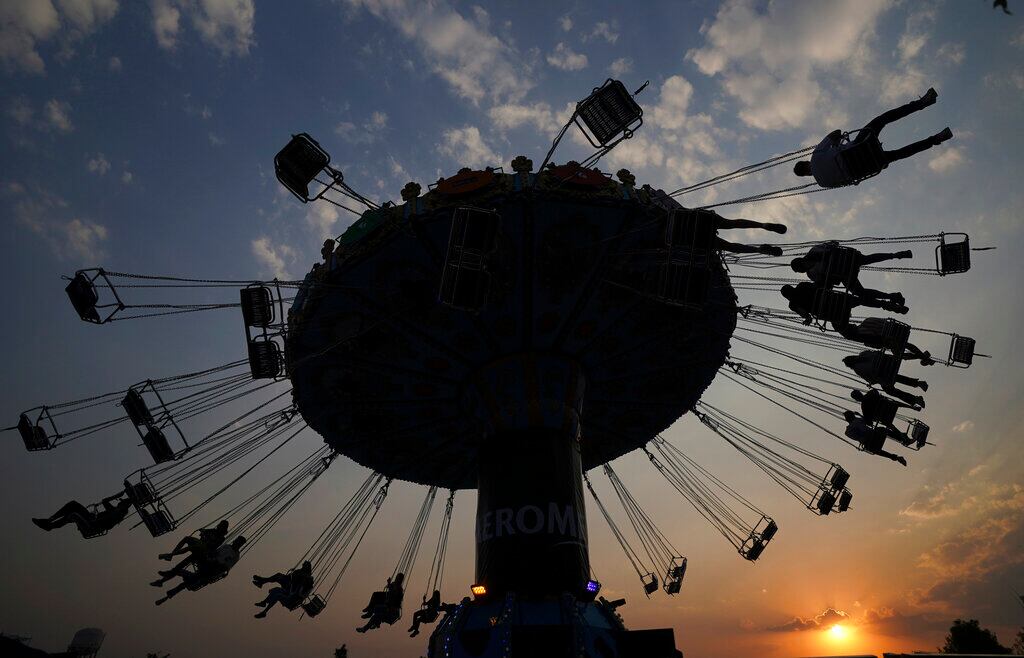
point(838, 632)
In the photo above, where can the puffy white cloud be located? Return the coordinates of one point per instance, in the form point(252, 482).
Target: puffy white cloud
point(565, 22)
point(24, 23)
point(566, 59)
point(58, 116)
point(364, 133)
point(467, 147)
point(87, 15)
point(512, 115)
point(75, 239)
point(965, 426)
point(948, 159)
point(379, 120)
point(98, 165)
point(465, 54)
point(272, 258)
point(770, 56)
point(620, 66)
point(604, 30)
point(953, 53)
point(670, 112)
point(226, 25)
point(321, 218)
point(166, 22)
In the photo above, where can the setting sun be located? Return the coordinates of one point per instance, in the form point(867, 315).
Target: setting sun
point(838, 632)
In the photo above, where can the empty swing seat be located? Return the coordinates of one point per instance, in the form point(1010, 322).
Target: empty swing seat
point(314, 606)
point(918, 432)
point(156, 442)
point(826, 501)
point(464, 288)
point(298, 163)
point(136, 408)
point(650, 582)
point(753, 551)
point(257, 306)
point(844, 500)
point(961, 350)
point(84, 297)
point(862, 160)
point(608, 111)
point(683, 282)
point(34, 436)
point(265, 359)
point(691, 229)
point(839, 478)
point(158, 522)
point(953, 257)
point(474, 234)
point(769, 531)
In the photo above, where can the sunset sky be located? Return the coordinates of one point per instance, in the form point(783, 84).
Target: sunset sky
point(140, 136)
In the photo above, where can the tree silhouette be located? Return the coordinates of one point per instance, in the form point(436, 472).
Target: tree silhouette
point(969, 637)
point(1018, 644)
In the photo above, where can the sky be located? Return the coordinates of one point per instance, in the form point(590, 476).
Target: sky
point(140, 135)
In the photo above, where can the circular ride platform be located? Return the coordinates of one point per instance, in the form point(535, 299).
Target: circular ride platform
point(404, 383)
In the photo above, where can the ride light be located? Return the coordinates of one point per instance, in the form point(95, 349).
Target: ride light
point(478, 590)
point(593, 586)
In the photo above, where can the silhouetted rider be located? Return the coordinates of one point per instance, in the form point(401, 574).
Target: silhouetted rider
point(819, 264)
point(871, 333)
point(871, 439)
point(803, 300)
point(87, 521)
point(208, 569)
point(881, 410)
point(878, 368)
point(198, 548)
point(385, 606)
point(427, 614)
point(293, 588)
point(836, 162)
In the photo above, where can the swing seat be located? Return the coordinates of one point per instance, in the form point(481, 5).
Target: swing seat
point(753, 551)
point(831, 306)
point(895, 335)
point(158, 522)
point(844, 500)
point(92, 532)
point(826, 501)
point(840, 264)
point(607, 112)
point(886, 367)
point(195, 584)
point(135, 406)
point(862, 160)
point(314, 606)
point(265, 359)
point(839, 478)
point(84, 297)
point(33, 436)
point(961, 351)
point(140, 494)
point(650, 582)
point(953, 257)
point(390, 615)
point(674, 576)
point(257, 306)
point(918, 432)
point(298, 163)
point(474, 234)
point(684, 281)
point(464, 288)
point(156, 442)
point(769, 531)
point(690, 229)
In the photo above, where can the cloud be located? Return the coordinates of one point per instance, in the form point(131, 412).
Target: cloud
point(364, 133)
point(271, 257)
point(58, 116)
point(947, 160)
point(565, 22)
point(215, 139)
point(321, 218)
point(512, 115)
point(607, 31)
point(23, 23)
point(829, 617)
point(620, 67)
point(465, 54)
point(114, 64)
point(917, 32)
point(965, 426)
point(953, 53)
point(98, 165)
point(769, 57)
point(166, 23)
point(126, 177)
point(76, 239)
point(566, 59)
point(467, 147)
point(20, 110)
point(226, 25)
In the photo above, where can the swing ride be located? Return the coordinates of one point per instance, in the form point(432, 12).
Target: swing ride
point(512, 333)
